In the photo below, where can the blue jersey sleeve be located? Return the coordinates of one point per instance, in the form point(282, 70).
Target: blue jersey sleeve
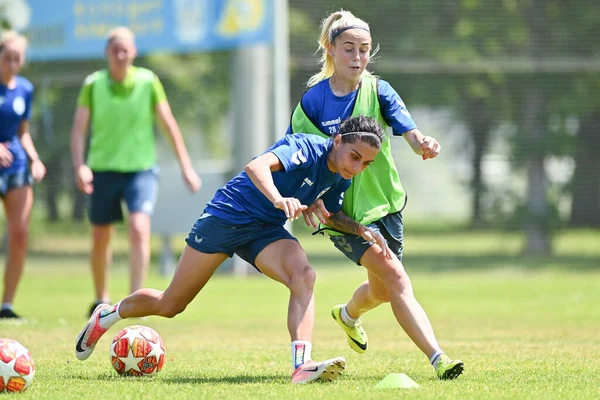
point(294, 152)
point(334, 198)
point(394, 110)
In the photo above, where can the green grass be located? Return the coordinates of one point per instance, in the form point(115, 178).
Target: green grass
point(525, 328)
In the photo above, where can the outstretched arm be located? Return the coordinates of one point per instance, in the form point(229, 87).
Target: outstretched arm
point(425, 146)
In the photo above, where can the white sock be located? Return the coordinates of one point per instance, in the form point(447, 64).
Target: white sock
point(433, 360)
point(6, 306)
point(110, 316)
point(301, 350)
point(347, 319)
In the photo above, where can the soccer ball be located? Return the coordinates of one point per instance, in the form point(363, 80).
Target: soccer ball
point(16, 367)
point(137, 350)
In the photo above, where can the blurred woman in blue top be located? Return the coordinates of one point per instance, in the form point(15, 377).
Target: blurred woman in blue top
point(20, 164)
point(247, 217)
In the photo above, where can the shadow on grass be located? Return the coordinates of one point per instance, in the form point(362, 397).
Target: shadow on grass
point(436, 263)
point(235, 379)
point(426, 263)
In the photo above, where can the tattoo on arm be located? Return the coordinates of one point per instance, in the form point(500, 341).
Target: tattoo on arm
point(344, 223)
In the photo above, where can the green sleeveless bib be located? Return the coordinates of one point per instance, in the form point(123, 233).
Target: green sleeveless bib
point(122, 137)
point(377, 191)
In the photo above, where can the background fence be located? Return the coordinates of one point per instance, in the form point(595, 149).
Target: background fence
point(511, 89)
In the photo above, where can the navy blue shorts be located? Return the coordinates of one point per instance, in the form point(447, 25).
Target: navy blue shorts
point(14, 180)
point(211, 235)
point(139, 190)
point(390, 227)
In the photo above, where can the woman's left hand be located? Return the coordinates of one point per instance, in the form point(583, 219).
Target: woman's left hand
point(38, 170)
point(192, 179)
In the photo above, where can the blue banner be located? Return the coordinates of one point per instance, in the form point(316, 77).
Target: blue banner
point(77, 29)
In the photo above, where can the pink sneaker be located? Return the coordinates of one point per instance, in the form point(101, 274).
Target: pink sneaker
point(325, 371)
point(90, 334)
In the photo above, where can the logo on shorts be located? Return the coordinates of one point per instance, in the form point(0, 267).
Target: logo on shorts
point(198, 239)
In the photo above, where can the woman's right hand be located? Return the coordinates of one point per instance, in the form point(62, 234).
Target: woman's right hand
point(6, 157)
point(291, 206)
point(84, 178)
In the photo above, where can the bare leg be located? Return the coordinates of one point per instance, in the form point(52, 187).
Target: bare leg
point(388, 281)
point(370, 294)
point(193, 272)
point(139, 249)
point(286, 262)
point(100, 259)
point(17, 207)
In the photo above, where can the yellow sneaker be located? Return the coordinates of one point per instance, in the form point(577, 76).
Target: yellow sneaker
point(356, 335)
point(449, 369)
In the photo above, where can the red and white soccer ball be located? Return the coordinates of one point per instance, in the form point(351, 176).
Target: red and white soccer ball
point(137, 350)
point(16, 367)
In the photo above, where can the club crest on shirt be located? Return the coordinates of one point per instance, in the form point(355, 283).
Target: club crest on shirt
point(19, 105)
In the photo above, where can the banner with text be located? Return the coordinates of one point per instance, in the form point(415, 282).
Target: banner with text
point(76, 29)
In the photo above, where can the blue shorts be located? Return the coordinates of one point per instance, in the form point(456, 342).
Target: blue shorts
point(14, 180)
point(211, 235)
point(391, 228)
point(138, 189)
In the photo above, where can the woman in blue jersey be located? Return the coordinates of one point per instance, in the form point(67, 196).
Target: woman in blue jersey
point(247, 217)
point(20, 164)
point(344, 88)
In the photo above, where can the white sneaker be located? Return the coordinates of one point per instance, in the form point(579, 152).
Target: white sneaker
point(325, 371)
point(90, 334)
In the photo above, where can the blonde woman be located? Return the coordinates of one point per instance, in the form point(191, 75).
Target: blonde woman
point(342, 89)
point(20, 164)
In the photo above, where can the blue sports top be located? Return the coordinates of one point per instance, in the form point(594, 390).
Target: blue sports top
point(15, 107)
point(327, 111)
point(305, 176)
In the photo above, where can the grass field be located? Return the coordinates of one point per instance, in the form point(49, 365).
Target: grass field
point(525, 328)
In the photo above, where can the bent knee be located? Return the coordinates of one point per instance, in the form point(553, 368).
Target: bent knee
point(398, 281)
point(303, 278)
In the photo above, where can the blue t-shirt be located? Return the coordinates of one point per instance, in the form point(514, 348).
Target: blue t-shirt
point(305, 176)
point(15, 107)
point(327, 111)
